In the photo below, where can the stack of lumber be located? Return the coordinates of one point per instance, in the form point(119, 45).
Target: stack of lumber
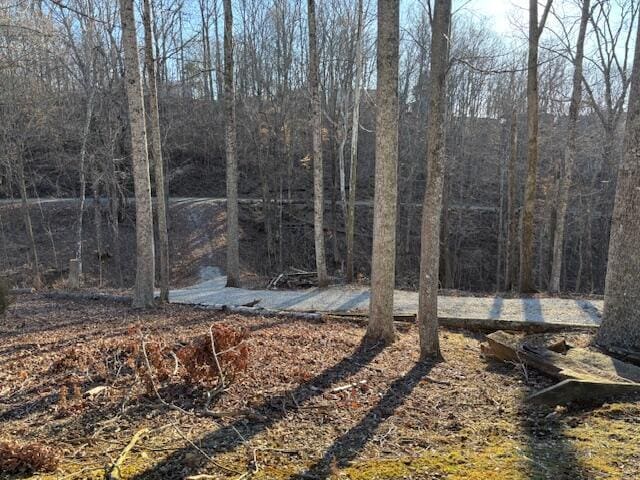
point(586, 376)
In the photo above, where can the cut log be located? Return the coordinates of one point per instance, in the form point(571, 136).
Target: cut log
point(582, 391)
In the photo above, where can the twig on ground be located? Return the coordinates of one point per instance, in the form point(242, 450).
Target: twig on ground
point(114, 470)
point(215, 356)
point(202, 452)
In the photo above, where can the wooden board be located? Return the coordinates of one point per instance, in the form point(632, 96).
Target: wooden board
point(587, 376)
point(582, 391)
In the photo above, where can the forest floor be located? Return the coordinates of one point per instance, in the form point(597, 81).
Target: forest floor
point(313, 403)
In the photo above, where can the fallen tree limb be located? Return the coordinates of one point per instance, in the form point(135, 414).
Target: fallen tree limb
point(115, 469)
point(88, 296)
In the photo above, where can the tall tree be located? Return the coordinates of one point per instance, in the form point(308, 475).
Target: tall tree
point(383, 256)
point(145, 261)
point(621, 324)
point(511, 259)
point(316, 127)
point(528, 220)
point(233, 255)
point(156, 153)
point(569, 152)
point(355, 128)
point(432, 205)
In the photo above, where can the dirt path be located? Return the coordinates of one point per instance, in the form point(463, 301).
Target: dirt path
point(212, 291)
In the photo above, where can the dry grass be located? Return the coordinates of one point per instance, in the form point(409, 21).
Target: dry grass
point(313, 403)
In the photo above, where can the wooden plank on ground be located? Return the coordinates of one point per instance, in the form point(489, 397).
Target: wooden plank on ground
point(577, 363)
point(581, 391)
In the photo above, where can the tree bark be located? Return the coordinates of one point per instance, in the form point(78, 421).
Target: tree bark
point(316, 127)
point(528, 218)
point(569, 153)
point(353, 167)
point(383, 257)
point(432, 205)
point(621, 325)
point(33, 257)
point(512, 217)
point(83, 179)
point(156, 155)
point(145, 261)
point(233, 255)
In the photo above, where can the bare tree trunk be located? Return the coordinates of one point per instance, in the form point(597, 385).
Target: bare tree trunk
point(569, 153)
point(432, 206)
point(83, 181)
point(145, 261)
point(233, 252)
point(156, 155)
point(316, 126)
point(353, 169)
point(114, 211)
point(97, 218)
point(217, 51)
point(528, 219)
point(383, 256)
point(33, 257)
point(512, 217)
point(620, 325)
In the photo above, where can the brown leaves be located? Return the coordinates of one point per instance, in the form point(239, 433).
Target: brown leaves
point(230, 347)
point(153, 361)
point(27, 459)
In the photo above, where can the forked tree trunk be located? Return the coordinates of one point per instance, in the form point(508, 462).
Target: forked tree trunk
point(316, 127)
point(621, 320)
point(145, 261)
point(527, 283)
point(569, 153)
point(383, 256)
point(353, 168)
point(432, 205)
point(156, 155)
point(233, 251)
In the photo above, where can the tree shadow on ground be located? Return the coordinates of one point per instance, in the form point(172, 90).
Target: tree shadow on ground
point(549, 453)
point(276, 408)
point(348, 446)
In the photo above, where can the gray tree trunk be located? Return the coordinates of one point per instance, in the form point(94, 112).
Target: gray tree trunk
point(512, 217)
point(145, 261)
point(316, 127)
point(156, 155)
point(383, 256)
point(233, 251)
point(83, 182)
point(621, 320)
point(353, 168)
point(33, 249)
point(569, 153)
point(432, 205)
point(527, 283)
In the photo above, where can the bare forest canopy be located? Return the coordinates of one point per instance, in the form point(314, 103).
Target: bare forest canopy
point(62, 97)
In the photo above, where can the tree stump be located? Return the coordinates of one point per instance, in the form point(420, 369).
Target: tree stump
point(75, 269)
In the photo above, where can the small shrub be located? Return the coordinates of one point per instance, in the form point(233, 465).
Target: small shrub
point(152, 361)
point(27, 459)
point(230, 347)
